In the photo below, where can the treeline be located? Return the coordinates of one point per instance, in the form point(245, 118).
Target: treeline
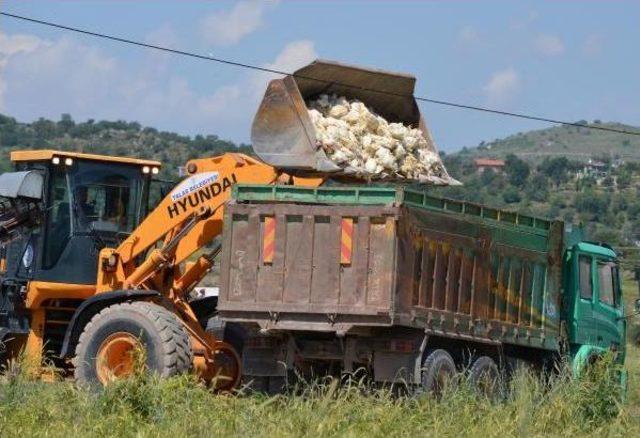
point(109, 138)
point(606, 201)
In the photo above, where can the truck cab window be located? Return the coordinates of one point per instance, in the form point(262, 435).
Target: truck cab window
point(585, 280)
point(607, 283)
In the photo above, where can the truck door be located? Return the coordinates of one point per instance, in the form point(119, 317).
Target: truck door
point(584, 323)
point(607, 309)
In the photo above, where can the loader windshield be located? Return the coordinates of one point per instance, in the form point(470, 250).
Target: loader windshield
point(101, 200)
point(106, 198)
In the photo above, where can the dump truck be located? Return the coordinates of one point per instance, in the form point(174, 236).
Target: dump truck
point(91, 272)
point(409, 286)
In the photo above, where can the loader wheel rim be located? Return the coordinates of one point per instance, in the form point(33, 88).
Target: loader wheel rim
point(117, 357)
point(227, 367)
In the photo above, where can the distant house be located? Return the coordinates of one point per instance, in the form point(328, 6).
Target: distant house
point(595, 168)
point(488, 163)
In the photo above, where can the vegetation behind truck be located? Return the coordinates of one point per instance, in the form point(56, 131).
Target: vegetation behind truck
point(409, 286)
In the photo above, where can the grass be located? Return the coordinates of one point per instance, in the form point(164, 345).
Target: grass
point(146, 406)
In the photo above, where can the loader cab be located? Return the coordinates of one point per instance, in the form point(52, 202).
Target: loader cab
point(595, 313)
point(89, 202)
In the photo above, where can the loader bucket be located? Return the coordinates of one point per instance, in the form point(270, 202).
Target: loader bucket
point(283, 134)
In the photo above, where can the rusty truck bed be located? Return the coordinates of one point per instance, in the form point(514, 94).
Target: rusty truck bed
point(347, 259)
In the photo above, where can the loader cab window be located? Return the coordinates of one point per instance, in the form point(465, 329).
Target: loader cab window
point(101, 201)
point(107, 198)
point(104, 206)
point(58, 226)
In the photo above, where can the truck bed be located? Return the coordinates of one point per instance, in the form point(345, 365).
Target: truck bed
point(345, 260)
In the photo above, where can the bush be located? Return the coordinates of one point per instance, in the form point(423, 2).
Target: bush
point(511, 195)
point(591, 202)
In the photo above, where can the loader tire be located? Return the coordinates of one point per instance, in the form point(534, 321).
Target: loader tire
point(128, 338)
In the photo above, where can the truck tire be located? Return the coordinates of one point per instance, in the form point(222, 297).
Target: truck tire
point(485, 377)
point(107, 347)
point(438, 370)
point(232, 334)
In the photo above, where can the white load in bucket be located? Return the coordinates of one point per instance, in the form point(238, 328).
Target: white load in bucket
point(285, 136)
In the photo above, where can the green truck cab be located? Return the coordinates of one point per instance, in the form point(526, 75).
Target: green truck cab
point(594, 308)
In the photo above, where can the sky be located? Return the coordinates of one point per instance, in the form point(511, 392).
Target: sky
point(565, 60)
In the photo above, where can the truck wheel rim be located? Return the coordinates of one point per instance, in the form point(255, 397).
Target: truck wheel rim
point(117, 357)
point(442, 380)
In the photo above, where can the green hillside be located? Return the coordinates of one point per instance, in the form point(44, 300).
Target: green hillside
point(109, 138)
point(575, 143)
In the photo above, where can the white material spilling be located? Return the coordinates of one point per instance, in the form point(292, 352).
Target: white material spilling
point(362, 142)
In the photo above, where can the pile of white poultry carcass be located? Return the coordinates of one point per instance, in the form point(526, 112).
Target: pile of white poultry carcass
point(363, 143)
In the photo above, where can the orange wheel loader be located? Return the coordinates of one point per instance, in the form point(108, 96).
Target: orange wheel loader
point(89, 276)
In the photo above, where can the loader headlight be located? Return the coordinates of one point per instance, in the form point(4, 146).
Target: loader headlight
point(55, 160)
point(155, 170)
point(146, 169)
point(27, 257)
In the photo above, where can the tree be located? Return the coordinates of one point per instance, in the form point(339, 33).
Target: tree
point(593, 203)
point(538, 188)
point(555, 168)
point(517, 170)
point(623, 180)
point(487, 177)
point(511, 195)
point(66, 123)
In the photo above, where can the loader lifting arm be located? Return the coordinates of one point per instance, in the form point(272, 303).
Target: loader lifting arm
point(185, 221)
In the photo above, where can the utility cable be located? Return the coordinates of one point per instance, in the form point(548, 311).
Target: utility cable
point(280, 72)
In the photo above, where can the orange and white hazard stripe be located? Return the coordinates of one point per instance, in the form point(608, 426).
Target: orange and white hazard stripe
point(269, 239)
point(346, 241)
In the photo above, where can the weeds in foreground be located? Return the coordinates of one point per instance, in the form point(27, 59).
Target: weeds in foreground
point(147, 406)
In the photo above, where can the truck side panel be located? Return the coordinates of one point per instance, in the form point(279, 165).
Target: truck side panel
point(459, 277)
point(450, 269)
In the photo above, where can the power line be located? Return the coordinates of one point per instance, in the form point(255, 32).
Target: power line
point(280, 72)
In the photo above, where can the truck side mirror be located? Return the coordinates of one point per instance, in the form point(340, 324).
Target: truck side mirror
point(636, 306)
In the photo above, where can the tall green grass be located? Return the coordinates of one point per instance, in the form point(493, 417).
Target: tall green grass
point(146, 406)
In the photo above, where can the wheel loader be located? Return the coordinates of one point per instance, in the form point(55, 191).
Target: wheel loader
point(91, 274)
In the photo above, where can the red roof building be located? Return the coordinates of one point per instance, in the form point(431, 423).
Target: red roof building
point(488, 163)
